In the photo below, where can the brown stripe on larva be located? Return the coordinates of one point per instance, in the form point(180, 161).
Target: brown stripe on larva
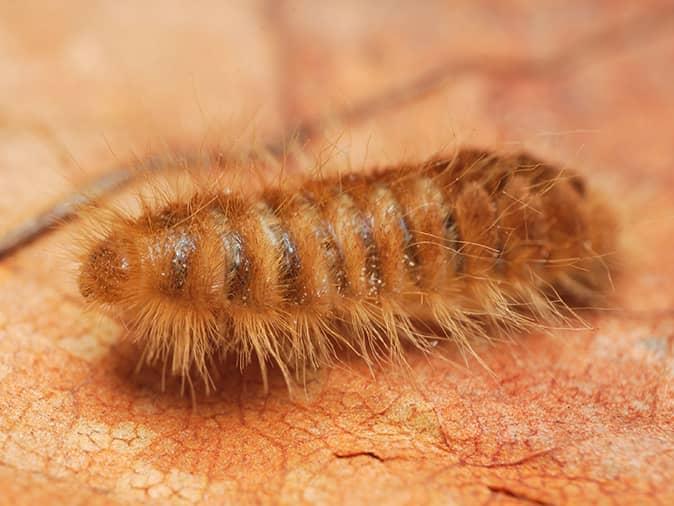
point(318, 278)
point(411, 259)
point(291, 264)
point(353, 201)
point(227, 211)
point(390, 238)
point(167, 248)
point(171, 251)
point(183, 246)
point(238, 266)
point(287, 275)
point(334, 256)
point(417, 223)
point(171, 246)
point(262, 240)
point(372, 268)
point(446, 254)
point(410, 248)
point(353, 259)
point(454, 242)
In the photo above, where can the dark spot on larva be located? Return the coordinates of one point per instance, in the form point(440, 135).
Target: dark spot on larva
point(174, 252)
point(411, 256)
point(334, 255)
point(372, 272)
point(362, 225)
point(183, 248)
point(453, 238)
point(397, 217)
point(291, 265)
point(238, 266)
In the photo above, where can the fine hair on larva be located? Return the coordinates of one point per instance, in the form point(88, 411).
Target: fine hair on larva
point(468, 245)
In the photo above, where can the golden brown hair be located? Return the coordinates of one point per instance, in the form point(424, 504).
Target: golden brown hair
point(472, 243)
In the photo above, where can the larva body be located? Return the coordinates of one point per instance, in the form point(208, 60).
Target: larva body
point(470, 243)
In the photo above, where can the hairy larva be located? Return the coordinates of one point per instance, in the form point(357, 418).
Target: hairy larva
point(466, 245)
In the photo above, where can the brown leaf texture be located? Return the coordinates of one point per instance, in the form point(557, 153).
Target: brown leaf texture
point(577, 417)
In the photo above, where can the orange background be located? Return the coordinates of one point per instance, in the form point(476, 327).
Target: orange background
point(583, 416)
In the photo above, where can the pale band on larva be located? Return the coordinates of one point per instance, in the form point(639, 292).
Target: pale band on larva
point(473, 244)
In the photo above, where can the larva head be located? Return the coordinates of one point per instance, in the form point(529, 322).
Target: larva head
point(105, 272)
point(162, 275)
point(164, 258)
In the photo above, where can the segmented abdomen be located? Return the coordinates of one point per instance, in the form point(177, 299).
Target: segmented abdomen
point(399, 234)
point(467, 243)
